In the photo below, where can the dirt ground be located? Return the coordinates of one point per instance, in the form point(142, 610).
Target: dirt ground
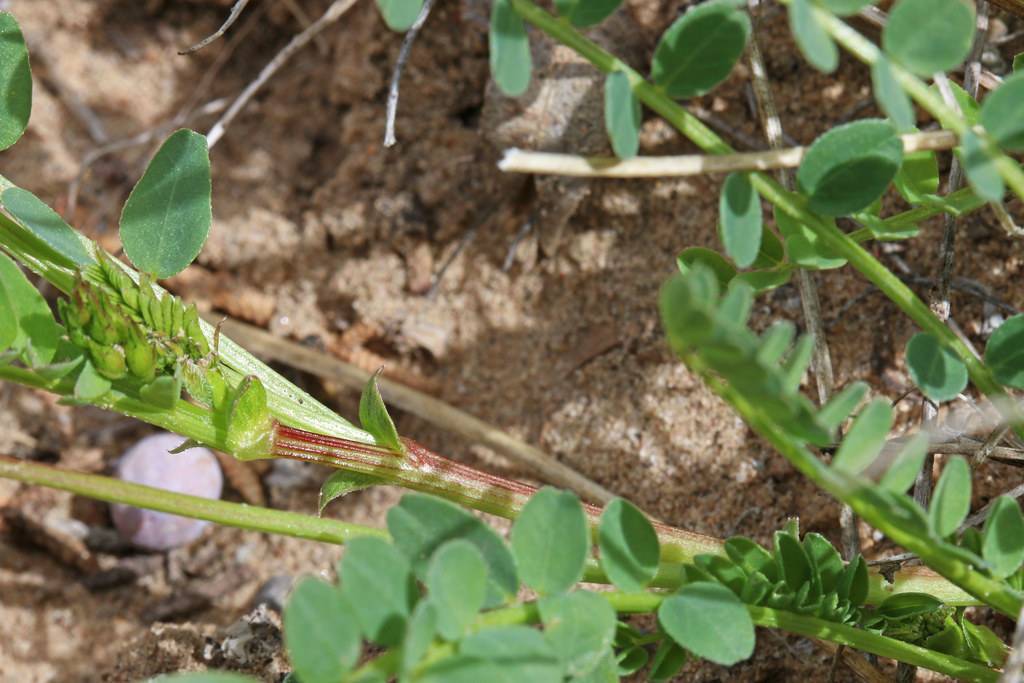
point(324, 236)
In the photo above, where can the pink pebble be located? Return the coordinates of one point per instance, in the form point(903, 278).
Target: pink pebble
point(149, 462)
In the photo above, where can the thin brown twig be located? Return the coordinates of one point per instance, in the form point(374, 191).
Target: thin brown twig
point(236, 11)
point(334, 12)
point(396, 75)
point(427, 407)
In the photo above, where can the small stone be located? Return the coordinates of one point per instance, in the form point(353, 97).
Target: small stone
point(150, 462)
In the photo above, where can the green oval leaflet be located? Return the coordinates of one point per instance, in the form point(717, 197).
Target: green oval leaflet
point(550, 540)
point(46, 224)
point(1000, 113)
point(167, 217)
point(814, 42)
point(710, 621)
point(980, 167)
point(927, 36)
point(510, 59)
point(891, 97)
point(1004, 352)
point(400, 15)
point(740, 219)
point(699, 50)
point(622, 115)
point(952, 499)
point(580, 627)
point(456, 586)
point(36, 334)
point(849, 167)
point(940, 375)
point(1003, 536)
point(629, 545)
point(15, 82)
point(323, 643)
point(865, 439)
point(586, 12)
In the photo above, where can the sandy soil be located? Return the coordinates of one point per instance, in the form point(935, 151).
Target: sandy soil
point(323, 235)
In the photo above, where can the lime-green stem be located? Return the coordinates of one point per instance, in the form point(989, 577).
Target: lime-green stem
point(646, 603)
point(789, 202)
point(238, 515)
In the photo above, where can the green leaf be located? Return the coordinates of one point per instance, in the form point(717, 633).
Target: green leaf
point(629, 546)
point(814, 42)
point(840, 406)
point(551, 541)
point(168, 214)
point(457, 586)
point(322, 640)
point(373, 415)
point(463, 668)
point(342, 483)
point(378, 585)
point(699, 50)
point(419, 635)
point(940, 375)
point(866, 437)
point(622, 115)
point(849, 167)
point(668, 660)
point(853, 584)
point(421, 524)
point(90, 385)
point(904, 605)
point(511, 62)
point(775, 342)
point(928, 36)
point(804, 246)
point(521, 654)
point(985, 645)
point(632, 660)
point(1018, 59)
point(792, 560)
point(606, 671)
point(918, 177)
point(1003, 537)
point(1004, 352)
point(891, 98)
point(740, 220)
point(399, 15)
point(968, 106)
point(46, 224)
point(15, 82)
point(162, 392)
point(250, 425)
point(723, 270)
point(710, 621)
point(825, 560)
point(903, 471)
point(36, 333)
point(580, 627)
point(586, 12)
point(981, 170)
point(751, 557)
point(952, 499)
point(1000, 114)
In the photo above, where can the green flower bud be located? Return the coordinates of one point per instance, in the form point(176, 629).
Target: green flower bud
point(108, 360)
point(196, 383)
point(140, 357)
point(156, 314)
point(177, 316)
point(250, 425)
point(167, 315)
point(190, 323)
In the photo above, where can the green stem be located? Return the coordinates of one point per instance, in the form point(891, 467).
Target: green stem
point(222, 512)
point(789, 202)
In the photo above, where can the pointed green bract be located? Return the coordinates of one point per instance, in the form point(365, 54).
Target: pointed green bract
point(511, 62)
point(908, 462)
point(814, 42)
point(373, 415)
point(420, 524)
point(1003, 536)
point(928, 36)
point(399, 15)
point(46, 224)
point(378, 586)
point(939, 374)
point(586, 12)
point(1000, 114)
point(90, 384)
point(551, 541)
point(952, 499)
point(36, 334)
point(710, 621)
point(342, 483)
point(622, 115)
point(162, 392)
point(1004, 352)
point(980, 167)
point(629, 546)
point(580, 627)
point(891, 97)
point(849, 167)
point(457, 586)
point(321, 638)
point(866, 437)
point(904, 605)
point(250, 425)
point(167, 217)
point(699, 50)
point(15, 82)
point(740, 219)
